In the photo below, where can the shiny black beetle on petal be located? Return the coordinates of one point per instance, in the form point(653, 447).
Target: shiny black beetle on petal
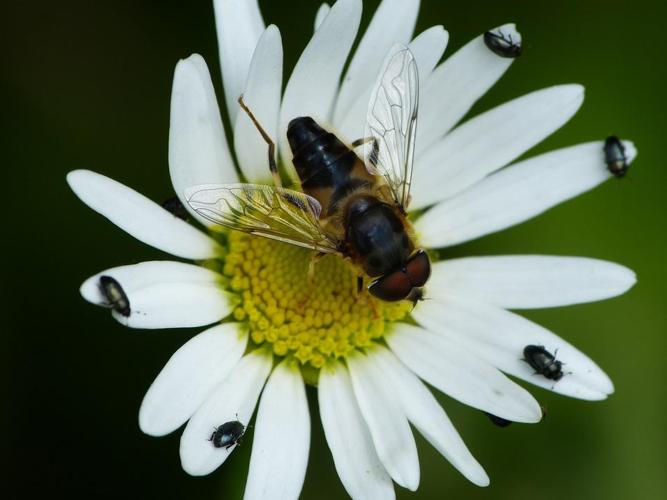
point(498, 421)
point(176, 208)
point(228, 434)
point(115, 295)
point(502, 45)
point(614, 156)
point(543, 362)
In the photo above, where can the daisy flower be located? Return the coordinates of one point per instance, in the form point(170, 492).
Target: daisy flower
point(269, 334)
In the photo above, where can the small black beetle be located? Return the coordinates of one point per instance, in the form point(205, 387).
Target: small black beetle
point(614, 156)
point(543, 362)
point(176, 208)
point(228, 434)
point(115, 295)
point(499, 421)
point(502, 45)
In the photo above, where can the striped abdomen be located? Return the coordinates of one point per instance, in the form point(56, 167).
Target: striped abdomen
point(328, 169)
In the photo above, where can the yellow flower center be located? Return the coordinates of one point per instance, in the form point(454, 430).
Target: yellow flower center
point(309, 319)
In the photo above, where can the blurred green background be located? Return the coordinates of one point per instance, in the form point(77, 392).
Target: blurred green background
point(87, 85)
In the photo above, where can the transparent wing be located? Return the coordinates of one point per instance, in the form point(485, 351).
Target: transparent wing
point(391, 123)
point(280, 214)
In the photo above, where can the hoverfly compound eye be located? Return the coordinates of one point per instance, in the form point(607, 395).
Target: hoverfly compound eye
point(391, 287)
point(399, 284)
point(419, 268)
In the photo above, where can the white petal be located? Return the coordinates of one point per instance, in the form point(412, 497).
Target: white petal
point(177, 305)
point(322, 12)
point(427, 49)
point(516, 194)
point(146, 274)
point(386, 421)
point(356, 461)
point(461, 374)
point(313, 85)
point(164, 294)
point(281, 438)
point(189, 377)
point(426, 414)
point(140, 217)
point(454, 87)
point(490, 141)
point(239, 25)
point(235, 398)
point(499, 337)
point(262, 95)
point(530, 281)
point(393, 22)
point(198, 151)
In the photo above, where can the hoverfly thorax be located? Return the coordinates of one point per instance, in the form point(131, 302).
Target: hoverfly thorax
point(376, 234)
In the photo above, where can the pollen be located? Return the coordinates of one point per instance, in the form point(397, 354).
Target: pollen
point(311, 318)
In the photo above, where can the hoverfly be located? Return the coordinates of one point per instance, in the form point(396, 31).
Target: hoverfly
point(351, 207)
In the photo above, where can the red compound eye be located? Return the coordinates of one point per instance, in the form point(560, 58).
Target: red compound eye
point(391, 287)
point(418, 268)
point(398, 284)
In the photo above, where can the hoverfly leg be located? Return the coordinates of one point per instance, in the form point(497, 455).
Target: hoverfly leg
point(273, 167)
point(363, 140)
point(314, 259)
point(367, 297)
point(373, 305)
point(311, 269)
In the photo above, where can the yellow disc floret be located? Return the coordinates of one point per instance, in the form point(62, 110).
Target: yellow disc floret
point(311, 318)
